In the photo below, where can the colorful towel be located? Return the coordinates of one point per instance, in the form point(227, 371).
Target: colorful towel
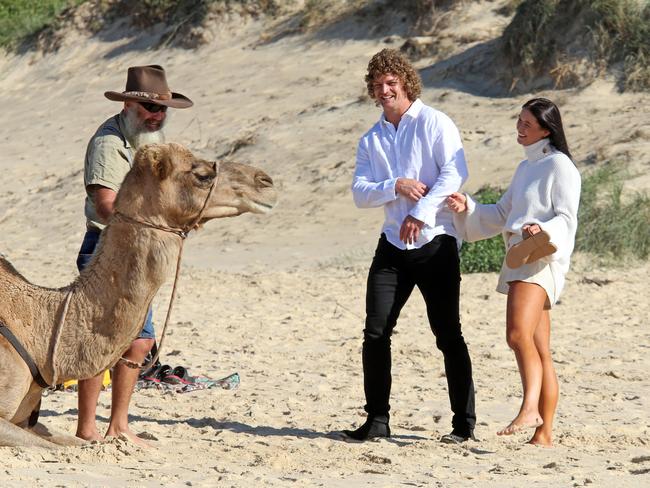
point(190, 383)
point(182, 383)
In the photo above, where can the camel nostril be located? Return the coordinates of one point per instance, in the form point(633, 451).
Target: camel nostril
point(263, 180)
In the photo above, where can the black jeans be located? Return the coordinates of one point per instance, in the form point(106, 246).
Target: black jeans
point(434, 269)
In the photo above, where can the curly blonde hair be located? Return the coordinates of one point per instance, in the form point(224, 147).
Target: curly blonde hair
point(393, 62)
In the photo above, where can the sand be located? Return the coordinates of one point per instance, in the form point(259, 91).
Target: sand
point(279, 298)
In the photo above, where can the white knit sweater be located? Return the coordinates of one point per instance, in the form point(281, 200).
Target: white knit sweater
point(545, 190)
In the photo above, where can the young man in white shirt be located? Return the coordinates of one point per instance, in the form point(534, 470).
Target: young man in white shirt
point(409, 162)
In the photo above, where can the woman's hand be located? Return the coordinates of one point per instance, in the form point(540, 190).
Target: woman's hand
point(457, 202)
point(530, 230)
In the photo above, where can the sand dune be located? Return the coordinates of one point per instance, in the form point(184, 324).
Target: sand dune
point(279, 298)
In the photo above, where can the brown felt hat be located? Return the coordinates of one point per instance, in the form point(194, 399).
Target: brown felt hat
point(148, 84)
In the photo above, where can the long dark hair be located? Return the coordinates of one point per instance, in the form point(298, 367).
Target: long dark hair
point(548, 117)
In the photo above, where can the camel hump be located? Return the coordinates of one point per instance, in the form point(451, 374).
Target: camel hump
point(7, 270)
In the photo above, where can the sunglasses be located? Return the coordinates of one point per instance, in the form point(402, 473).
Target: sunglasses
point(153, 108)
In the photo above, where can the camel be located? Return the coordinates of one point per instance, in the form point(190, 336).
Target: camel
point(166, 188)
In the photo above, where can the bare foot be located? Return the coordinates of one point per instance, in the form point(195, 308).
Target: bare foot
point(91, 435)
point(541, 440)
point(127, 435)
point(522, 422)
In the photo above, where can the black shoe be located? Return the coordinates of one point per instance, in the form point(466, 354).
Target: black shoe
point(371, 429)
point(455, 438)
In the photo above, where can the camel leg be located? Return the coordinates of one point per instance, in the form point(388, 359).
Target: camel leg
point(56, 437)
point(13, 436)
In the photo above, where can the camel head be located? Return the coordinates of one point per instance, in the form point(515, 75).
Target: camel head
point(168, 185)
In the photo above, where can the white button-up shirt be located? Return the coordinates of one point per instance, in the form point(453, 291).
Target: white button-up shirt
point(426, 147)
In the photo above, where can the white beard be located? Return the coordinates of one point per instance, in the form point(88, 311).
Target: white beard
point(136, 134)
point(143, 138)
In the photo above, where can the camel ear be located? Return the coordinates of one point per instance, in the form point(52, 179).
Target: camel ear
point(158, 157)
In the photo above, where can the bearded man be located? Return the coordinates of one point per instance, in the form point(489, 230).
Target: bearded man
point(109, 157)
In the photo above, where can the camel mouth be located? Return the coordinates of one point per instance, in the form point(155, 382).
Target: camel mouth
point(261, 207)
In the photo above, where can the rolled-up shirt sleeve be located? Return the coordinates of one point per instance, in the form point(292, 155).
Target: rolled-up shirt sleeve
point(107, 163)
point(449, 156)
point(366, 191)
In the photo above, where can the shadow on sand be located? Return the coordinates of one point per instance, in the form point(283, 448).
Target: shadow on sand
point(241, 428)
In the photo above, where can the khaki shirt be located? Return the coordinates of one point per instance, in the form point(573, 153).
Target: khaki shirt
point(109, 158)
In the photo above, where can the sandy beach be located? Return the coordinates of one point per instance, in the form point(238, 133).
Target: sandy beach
point(279, 298)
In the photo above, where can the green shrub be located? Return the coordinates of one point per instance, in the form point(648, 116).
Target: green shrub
point(610, 225)
point(487, 255)
point(547, 37)
point(20, 19)
point(528, 41)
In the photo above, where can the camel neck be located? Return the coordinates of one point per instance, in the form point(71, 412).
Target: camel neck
point(112, 296)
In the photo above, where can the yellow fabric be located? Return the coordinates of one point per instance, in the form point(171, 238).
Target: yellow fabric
point(106, 381)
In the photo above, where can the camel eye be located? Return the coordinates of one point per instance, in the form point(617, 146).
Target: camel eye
point(203, 173)
point(204, 178)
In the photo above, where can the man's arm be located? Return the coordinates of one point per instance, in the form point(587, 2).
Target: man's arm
point(450, 157)
point(104, 200)
point(411, 189)
point(367, 192)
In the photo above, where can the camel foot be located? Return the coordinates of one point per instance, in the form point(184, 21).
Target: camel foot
point(13, 436)
point(517, 425)
point(56, 437)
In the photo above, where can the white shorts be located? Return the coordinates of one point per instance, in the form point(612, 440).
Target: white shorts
point(538, 272)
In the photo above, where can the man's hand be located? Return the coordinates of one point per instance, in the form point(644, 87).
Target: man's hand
point(411, 189)
point(410, 230)
point(457, 202)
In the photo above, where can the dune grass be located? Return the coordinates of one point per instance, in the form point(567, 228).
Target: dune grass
point(548, 36)
point(21, 19)
point(611, 224)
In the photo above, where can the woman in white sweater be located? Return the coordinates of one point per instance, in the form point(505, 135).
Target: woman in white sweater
point(541, 203)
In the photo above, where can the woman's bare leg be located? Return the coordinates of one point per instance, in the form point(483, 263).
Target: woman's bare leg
point(523, 315)
point(550, 389)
